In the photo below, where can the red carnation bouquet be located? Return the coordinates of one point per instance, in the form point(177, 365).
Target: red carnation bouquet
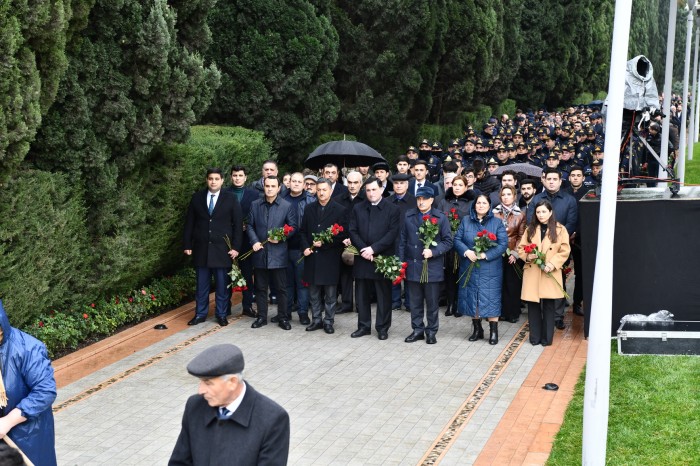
point(391, 267)
point(484, 241)
point(278, 234)
point(541, 262)
point(237, 281)
point(453, 216)
point(325, 236)
point(427, 233)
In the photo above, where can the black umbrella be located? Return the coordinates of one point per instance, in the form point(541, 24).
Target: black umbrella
point(343, 154)
point(526, 168)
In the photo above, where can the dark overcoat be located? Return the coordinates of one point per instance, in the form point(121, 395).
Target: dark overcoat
point(376, 226)
point(411, 246)
point(265, 216)
point(482, 295)
point(257, 434)
point(204, 234)
point(249, 195)
point(322, 267)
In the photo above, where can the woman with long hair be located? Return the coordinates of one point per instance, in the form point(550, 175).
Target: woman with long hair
point(459, 198)
point(480, 291)
point(542, 283)
point(514, 222)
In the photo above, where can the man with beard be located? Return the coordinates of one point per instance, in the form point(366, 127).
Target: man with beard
point(578, 188)
point(528, 189)
point(330, 172)
point(404, 200)
point(425, 291)
point(485, 182)
point(348, 200)
point(322, 260)
point(374, 226)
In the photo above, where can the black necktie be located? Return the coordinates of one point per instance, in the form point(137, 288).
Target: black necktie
point(224, 413)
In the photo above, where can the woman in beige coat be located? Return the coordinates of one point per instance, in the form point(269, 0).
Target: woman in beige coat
point(542, 284)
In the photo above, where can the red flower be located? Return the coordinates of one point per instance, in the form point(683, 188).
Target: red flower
point(153, 297)
point(397, 281)
point(480, 234)
point(426, 217)
point(41, 323)
point(92, 305)
point(492, 237)
point(286, 230)
point(404, 265)
point(116, 300)
point(453, 210)
point(131, 300)
point(304, 284)
point(454, 215)
point(85, 316)
point(244, 288)
point(433, 221)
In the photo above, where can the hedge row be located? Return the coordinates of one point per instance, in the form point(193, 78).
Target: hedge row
point(49, 259)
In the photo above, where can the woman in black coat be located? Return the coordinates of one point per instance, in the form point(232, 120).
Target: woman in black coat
point(459, 198)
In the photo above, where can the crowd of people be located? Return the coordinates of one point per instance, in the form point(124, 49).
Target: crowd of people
point(503, 203)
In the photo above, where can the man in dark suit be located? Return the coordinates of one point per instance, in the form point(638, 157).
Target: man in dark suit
point(212, 215)
point(413, 251)
point(404, 200)
point(330, 172)
point(245, 196)
point(349, 199)
point(322, 260)
point(374, 226)
point(420, 171)
point(270, 259)
point(229, 422)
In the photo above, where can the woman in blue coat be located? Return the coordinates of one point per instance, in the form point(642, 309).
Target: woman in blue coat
point(481, 297)
point(31, 389)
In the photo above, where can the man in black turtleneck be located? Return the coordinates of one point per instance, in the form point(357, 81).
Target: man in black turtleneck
point(245, 197)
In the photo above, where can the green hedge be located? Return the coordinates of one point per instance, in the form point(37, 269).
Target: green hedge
point(48, 259)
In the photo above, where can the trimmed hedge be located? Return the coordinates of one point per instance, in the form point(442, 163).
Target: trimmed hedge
point(49, 260)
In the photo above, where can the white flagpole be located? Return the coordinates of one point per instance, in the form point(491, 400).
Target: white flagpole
point(680, 166)
point(597, 392)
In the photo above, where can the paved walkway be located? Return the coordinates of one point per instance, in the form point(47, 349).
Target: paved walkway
point(351, 401)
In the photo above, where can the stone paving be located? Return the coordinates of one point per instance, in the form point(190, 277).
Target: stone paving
point(351, 401)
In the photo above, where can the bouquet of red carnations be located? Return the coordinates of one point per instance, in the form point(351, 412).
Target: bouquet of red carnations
point(541, 262)
point(278, 234)
point(427, 233)
point(325, 236)
point(484, 241)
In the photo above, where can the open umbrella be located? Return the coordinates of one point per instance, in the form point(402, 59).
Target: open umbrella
point(343, 154)
point(526, 168)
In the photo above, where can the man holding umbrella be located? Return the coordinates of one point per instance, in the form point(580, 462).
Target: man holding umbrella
point(374, 226)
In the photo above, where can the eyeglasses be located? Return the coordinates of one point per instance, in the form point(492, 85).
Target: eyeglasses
point(309, 183)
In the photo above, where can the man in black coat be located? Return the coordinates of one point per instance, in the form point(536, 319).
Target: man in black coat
point(374, 226)
point(404, 200)
point(349, 199)
point(270, 259)
point(330, 172)
point(322, 260)
point(212, 216)
point(245, 196)
point(229, 422)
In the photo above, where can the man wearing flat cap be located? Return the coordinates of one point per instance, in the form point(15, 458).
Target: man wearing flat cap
point(424, 291)
point(228, 421)
point(382, 171)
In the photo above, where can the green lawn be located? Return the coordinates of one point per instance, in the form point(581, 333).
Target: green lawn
point(654, 404)
point(654, 413)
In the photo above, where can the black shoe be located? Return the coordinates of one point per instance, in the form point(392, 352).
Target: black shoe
point(228, 313)
point(259, 322)
point(493, 333)
point(304, 320)
point(328, 328)
point(415, 336)
point(383, 335)
point(448, 311)
point(275, 319)
point(559, 324)
point(430, 339)
point(578, 310)
point(314, 326)
point(249, 312)
point(273, 299)
point(396, 308)
point(223, 321)
point(477, 330)
point(513, 320)
point(284, 324)
point(360, 332)
point(344, 310)
point(196, 320)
